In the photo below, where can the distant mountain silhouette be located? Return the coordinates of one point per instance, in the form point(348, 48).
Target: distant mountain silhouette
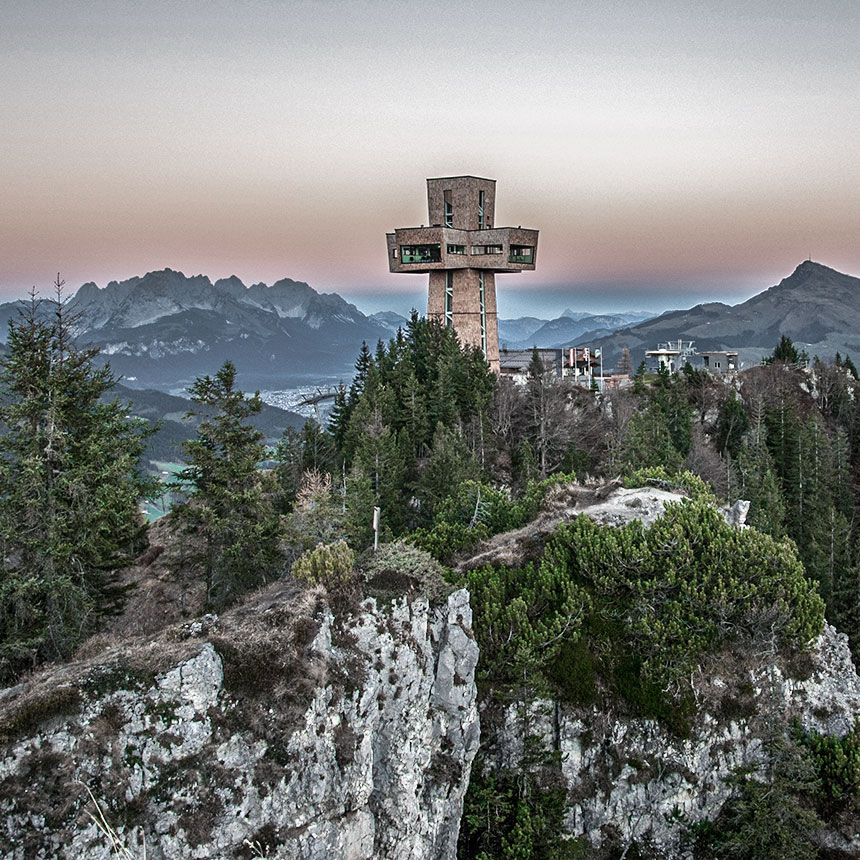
point(513, 331)
point(164, 329)
point(817, 307)
point(527, 332)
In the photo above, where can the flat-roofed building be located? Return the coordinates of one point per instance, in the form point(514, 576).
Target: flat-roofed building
point(719, 361)
point(462, 251)
point(671, 356)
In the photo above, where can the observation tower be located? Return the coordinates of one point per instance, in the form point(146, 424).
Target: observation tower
point(462, 250)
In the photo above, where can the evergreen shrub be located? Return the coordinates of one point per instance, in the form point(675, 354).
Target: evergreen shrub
point(400, 567)
point(837, 765)
point(646, 604)
point(329, 565)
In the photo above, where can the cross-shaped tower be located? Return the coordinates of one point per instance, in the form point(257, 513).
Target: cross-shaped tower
point(462, 250)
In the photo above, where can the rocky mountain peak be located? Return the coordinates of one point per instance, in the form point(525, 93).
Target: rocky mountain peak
point(162, 329)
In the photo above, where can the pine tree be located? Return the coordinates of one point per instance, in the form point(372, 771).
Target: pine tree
point(378, 458)
point(732, 423)
point(785, 352)
point(449, 465)
point(69, 468)
point(648, 443)
point(230, 505)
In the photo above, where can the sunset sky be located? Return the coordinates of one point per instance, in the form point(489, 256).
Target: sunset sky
point(669, 152)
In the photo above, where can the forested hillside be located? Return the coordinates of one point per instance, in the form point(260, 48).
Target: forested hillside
point(608, 627)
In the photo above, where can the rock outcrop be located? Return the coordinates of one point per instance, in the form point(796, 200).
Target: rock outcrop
point(633, 780)
point(274, 731)
point(608, 505)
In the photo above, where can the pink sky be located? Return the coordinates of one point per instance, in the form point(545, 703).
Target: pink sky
point(699, 146)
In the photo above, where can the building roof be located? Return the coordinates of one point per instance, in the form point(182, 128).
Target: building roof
point(463, 176)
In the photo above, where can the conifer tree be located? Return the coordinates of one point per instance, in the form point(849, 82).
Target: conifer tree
point(378, 458)
point(648, 441)
point(732, 423)
point(449, 465)
point(69, 468)
point(785, 352)
point(230, 506)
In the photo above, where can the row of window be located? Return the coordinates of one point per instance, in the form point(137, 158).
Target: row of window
point(433, 253)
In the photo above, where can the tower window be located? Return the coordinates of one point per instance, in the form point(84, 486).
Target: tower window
point(449, 214)
point(449, 299)
point(522, 254)
point(421, 253)
point(480, 210)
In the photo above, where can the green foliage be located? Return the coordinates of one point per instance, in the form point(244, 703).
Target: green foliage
point(69, 509)
point(685, 481)
point(837, 765)
point(787, 353)
point(690, 583)
point(413, 423)
point(327, 564)
point(670, 397)
point(515, 815)
point(446, 539)
point(577, 461)
point(476, 511)
point(297, 453)
point(732, 424)
point(686, 586)
point(400, 568)
point(757, 482)
point(360, 501)
point(849, 365)
point(648, 441)
point(770, 814)
point(574, 673)
point(230, 506)
point(450, 464)
point(523, 616)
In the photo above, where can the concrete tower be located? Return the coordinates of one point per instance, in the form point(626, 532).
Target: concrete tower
point(462, 250)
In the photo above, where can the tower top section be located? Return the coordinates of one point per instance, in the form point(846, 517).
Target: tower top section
point(462, 232)
point(462, 202)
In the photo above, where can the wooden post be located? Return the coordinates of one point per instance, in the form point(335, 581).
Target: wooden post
point(375, 529)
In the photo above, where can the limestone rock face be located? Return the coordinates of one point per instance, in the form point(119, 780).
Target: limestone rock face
point(632, 779)
point(186, 762)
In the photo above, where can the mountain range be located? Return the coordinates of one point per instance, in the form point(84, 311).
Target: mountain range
point(164, 329)
point(519, 333)
point(817, 307)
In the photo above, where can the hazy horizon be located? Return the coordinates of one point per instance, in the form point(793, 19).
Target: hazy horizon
point(546, 302)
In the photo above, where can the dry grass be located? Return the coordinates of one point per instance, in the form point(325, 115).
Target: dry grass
point(269, 669)
point(119, 849)
point(162, 587)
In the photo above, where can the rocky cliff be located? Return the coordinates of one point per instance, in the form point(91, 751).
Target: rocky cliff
point(297, 727)
point(273, 731)
point(634, 781)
